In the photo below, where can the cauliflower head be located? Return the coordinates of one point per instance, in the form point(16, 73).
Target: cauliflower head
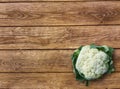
point(91, 62)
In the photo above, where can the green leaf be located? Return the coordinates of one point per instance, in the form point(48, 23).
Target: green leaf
point(106, 49)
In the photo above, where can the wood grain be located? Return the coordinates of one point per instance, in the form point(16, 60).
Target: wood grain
point(54, 81)
point(47, 61)
point(58, 37)
point(38, 37)
point(62, 13)
point(8, 1)
point(35, 61)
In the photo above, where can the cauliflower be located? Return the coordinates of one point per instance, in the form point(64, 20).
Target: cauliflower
point(91, 62)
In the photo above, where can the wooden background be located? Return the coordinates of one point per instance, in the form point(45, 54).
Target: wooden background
point(38, 37)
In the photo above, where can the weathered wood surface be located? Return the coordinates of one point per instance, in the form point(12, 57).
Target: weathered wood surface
point(37, 40)
point(69, 37)
point(51, 0)
point(36, 61)
point(59, 13)
point(54, 81)
point(47, 61)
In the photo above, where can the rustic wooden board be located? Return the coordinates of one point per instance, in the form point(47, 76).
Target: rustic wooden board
point(59, 13)
point(38, 37)
point(35, 61)
point(66, 37)
point(54, 81)
point(41, 61)
point(50, 0)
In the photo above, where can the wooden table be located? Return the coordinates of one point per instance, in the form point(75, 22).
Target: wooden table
point(38, 37)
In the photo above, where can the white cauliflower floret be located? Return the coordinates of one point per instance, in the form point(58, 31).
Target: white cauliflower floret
point(91, 62)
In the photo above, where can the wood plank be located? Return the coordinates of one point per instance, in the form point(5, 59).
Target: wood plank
point(58, 37)
point(49, 0)
point(54, 81)
point(62, 13)
point(35, 61)
point(41, 61)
